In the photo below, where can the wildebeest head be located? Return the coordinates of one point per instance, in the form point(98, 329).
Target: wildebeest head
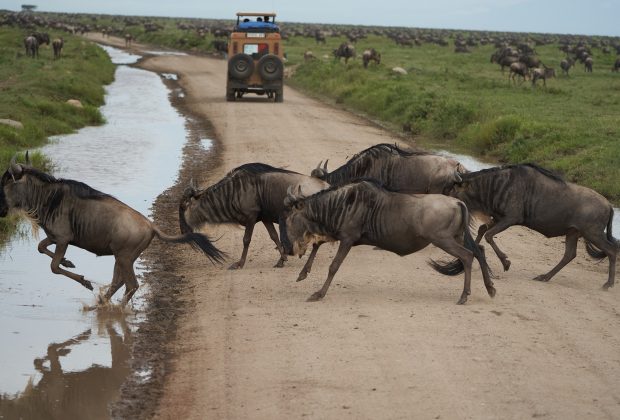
point(295, 230)
point(319, 172)
point(189, 197)
point(12, 186)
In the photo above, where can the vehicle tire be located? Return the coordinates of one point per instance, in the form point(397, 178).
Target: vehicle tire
point(240, 66)
point(279, 95)
point(270, 67)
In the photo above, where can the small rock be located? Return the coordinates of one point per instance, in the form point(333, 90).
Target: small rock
point(399, 70)
point(12, 123)
point(75, 102)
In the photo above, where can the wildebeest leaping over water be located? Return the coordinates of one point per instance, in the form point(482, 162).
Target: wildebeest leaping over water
point(364, 213)
point(72, 213)
point(536, 198)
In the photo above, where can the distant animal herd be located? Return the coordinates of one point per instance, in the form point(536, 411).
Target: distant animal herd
point(392, 198)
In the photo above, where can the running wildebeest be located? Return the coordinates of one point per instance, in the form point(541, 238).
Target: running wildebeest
point(57, 44)
point(544, 74)
point(531, 196)
point(72, 213)
point(249, 194)
point(416, 172)
point(371, 55)
point(32, 46)
point(520, 69)
point(364, 213)
point(344, 50)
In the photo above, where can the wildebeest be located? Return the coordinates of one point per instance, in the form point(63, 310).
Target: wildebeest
point(544, 74)
point(534, 197)
point(57, 44)
point(364, 213)
point(371, 55)
point(520, 69)
point(587, 64)
point(344, 50)
point(128, 39)
point(72, 213)
point(308, 55)
point(249, 194)
point(566, 64)
point(32, 46)
point(616, 65)
point(401, 170)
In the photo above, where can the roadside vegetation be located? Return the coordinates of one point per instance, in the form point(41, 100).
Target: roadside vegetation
point(464, 103)
point(34, 92)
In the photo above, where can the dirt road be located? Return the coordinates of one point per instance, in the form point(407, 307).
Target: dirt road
point(388, 341)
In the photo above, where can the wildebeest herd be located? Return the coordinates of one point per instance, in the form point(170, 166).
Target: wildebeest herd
point(394, 199)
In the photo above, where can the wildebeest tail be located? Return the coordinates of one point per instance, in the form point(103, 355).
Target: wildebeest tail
point(197, 240)
point(593, 251)
point(183, 225)
point(455, 267)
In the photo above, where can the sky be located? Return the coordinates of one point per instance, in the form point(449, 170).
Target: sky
point(593, 17)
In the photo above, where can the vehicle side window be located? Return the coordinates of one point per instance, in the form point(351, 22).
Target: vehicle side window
point(256, 50)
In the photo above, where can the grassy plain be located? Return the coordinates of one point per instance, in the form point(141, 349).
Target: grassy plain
point(34, 92)
point(463, 102)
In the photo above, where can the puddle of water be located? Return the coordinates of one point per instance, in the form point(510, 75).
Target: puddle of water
point(170, 76)
point(55, 360)
point(206, 144)
point(474, 164)
point(165, 53)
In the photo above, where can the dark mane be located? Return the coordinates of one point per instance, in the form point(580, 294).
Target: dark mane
point(257, 168)
point(372, 181)
point(543, 171)
point(387, 148)
point(78, 188)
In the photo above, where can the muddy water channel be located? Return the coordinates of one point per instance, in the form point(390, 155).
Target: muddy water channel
point(57, 361)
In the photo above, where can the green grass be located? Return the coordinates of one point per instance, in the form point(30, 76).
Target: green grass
point(35, 91)
point(463, 102)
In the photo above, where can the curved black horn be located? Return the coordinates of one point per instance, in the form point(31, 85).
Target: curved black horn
point(325, 166)
point(319, 165)
point(28, 159)
point(15, 169)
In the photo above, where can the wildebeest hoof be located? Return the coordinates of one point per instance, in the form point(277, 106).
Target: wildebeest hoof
point(607, 285)
point(279, 264)
point(491, 290)
point(315, 297)
point(67, 263)
point(86, 284)
point(506, 264)
point(235, 266)
point(542, 277)
point(462, 300)
point(302, 275)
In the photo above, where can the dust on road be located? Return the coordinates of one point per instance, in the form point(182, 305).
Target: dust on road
point(388, 341)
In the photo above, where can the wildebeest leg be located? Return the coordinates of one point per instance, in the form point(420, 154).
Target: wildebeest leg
point(42, 247)
point(496, 228)
point(457, 250)
point(570, 252)
point(274, 237)
point(117, 282)
point(61, 248)
point(247, 237)
point(343, 250)
point(610, 251)
point(131, 284)
point(482, 230)
point(308, 266)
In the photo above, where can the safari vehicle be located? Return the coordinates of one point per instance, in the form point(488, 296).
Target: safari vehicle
point(255, 57)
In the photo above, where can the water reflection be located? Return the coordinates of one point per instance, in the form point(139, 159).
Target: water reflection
point(134, 156)
point(57, 392)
